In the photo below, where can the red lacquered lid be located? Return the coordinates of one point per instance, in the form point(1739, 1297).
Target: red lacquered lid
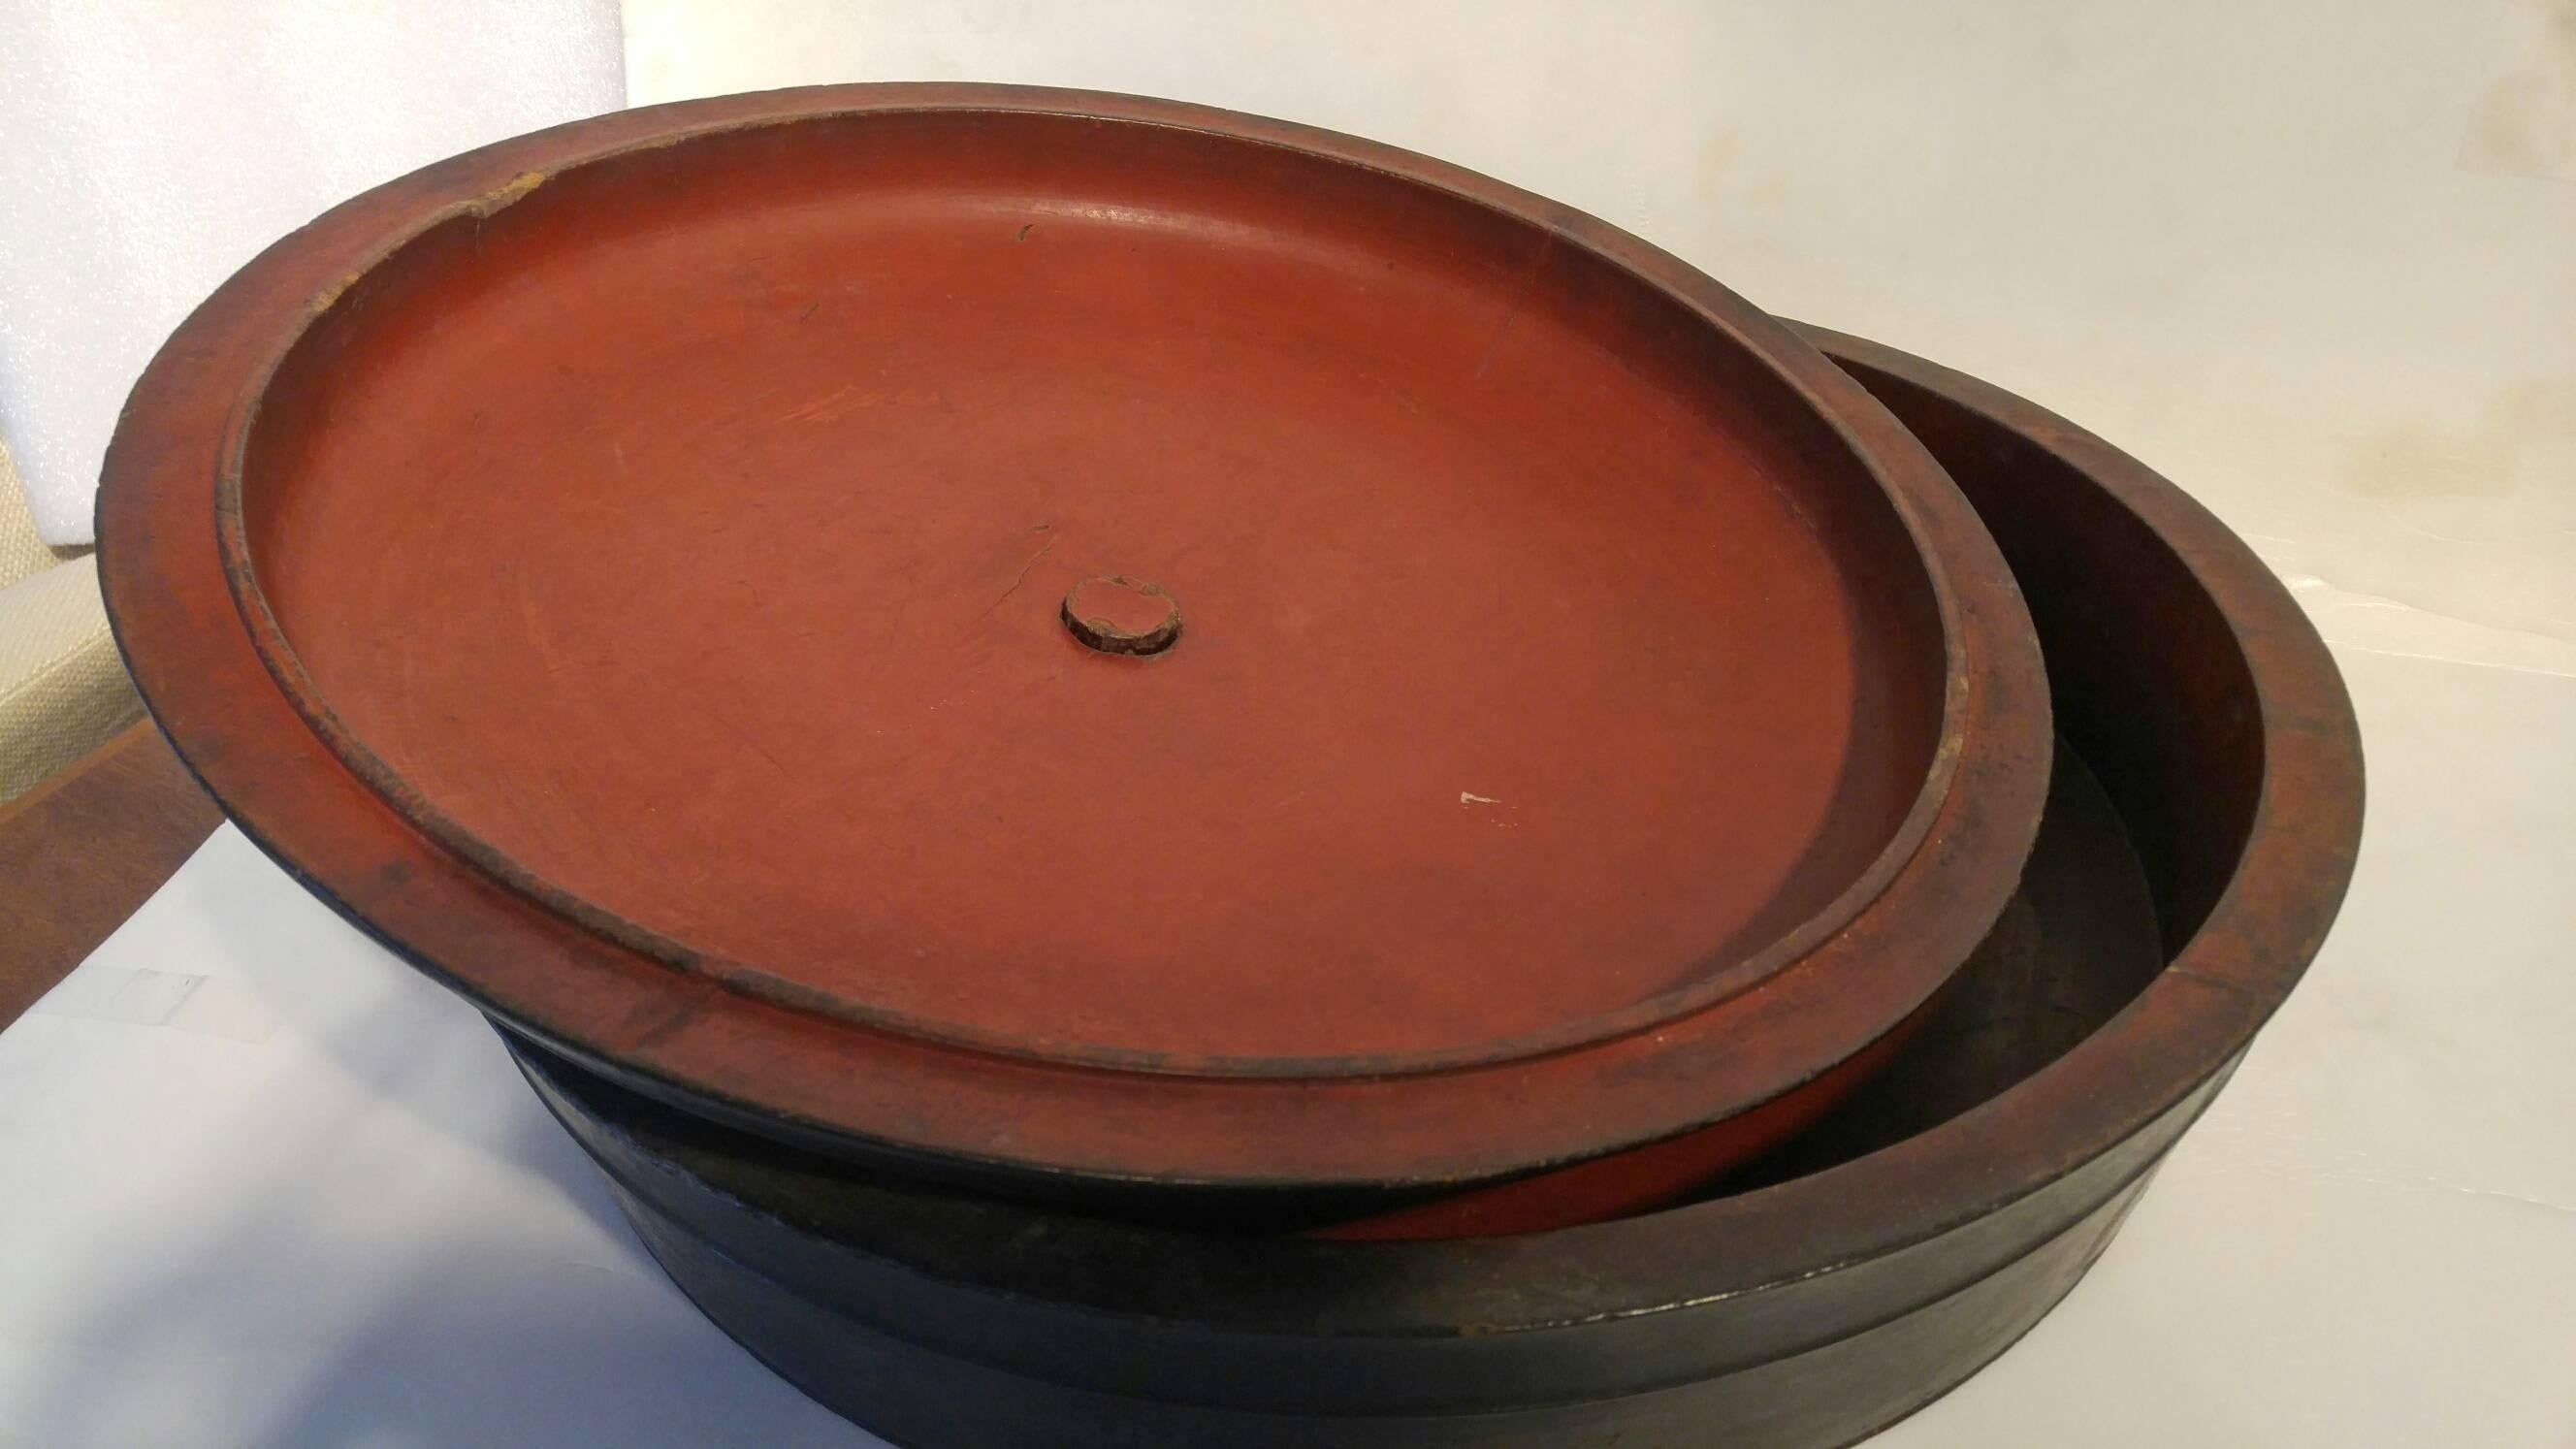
point(1080, 634)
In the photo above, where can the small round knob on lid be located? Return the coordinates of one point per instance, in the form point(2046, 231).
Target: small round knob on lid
point(1120, 615)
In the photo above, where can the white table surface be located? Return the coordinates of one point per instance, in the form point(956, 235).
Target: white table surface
point(265, 1186)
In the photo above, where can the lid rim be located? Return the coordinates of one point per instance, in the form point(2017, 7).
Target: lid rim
point(2002, 718)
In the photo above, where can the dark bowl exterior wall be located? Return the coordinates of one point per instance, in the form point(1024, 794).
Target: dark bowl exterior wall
point(1812, 1311)
point(1786, 1371)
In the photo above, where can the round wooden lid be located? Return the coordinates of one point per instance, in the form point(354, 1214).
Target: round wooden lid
point(1080, 635)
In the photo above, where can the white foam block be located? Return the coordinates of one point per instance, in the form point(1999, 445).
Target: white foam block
point(147, 150)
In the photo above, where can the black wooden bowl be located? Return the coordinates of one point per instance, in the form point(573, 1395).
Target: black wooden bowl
point(2200, 833)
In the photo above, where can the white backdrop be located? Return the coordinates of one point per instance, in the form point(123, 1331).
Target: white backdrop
point(149, 147)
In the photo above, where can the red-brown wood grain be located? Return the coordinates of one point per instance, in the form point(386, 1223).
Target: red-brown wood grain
point(1530, 676)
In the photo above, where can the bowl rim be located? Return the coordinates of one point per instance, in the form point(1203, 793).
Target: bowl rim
point(2040, 1155)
